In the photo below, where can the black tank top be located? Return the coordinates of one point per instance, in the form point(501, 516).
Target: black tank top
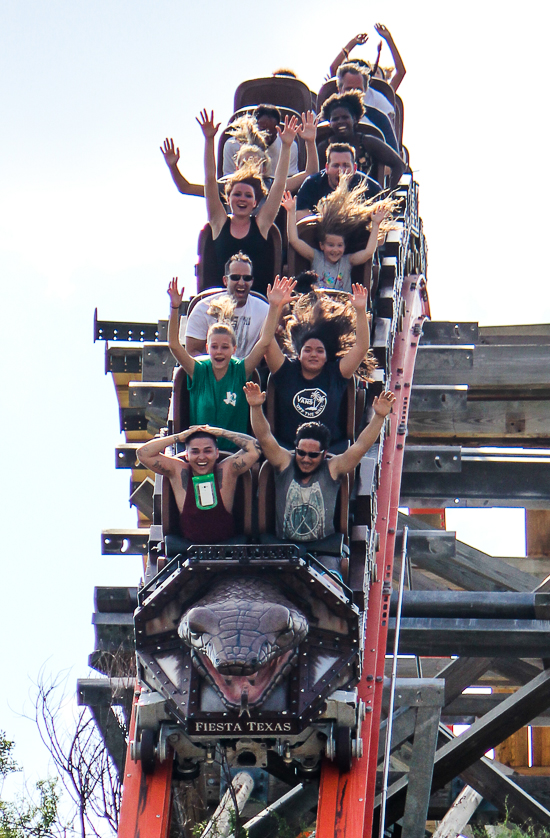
point(253, 245)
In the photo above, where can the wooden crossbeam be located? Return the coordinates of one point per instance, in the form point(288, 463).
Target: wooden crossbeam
point(455, 636)
point(469, 568)
point(461, 752)
point(458, 675)
point(485, 479)
point(484, 365)
point(497, 421)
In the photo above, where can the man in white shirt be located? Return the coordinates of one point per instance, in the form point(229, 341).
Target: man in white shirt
point(247, 317)
point(268, 118)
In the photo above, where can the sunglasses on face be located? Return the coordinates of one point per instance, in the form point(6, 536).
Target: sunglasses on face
point(311, 454)
point(237, 277)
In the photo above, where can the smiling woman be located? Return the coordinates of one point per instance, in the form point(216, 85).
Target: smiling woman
point(240, 230)
point(311, 386)
point(216, 383)
point(344, 112)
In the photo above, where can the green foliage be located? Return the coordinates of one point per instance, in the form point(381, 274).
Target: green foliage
point(26, 819)
point(23, 818)
point(7, 763)
point(214, 831)
point(507, 829)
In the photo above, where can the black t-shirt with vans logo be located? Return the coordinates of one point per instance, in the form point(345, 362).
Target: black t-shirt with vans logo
point(299, 400)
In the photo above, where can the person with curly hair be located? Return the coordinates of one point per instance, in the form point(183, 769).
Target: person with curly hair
point(328, 340)
point(344, 111)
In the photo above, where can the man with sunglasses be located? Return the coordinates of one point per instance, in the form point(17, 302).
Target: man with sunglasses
point(245, 312)
point(306, 481)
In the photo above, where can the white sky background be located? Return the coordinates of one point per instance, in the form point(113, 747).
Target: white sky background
point(89, 217)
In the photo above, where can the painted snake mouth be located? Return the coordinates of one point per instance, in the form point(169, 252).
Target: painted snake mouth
point(256, 687)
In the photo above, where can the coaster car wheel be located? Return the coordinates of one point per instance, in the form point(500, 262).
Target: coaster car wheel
point(147, 751)
point(343, 749)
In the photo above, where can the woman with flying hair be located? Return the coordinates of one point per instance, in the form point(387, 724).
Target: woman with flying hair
point(327, 339)
point(239, 229)
point(344, 111)
point(341, 214)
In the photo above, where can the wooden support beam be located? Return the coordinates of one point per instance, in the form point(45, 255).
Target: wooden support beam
point(124, 542)
point(460, 753)
point(457, 675)
point(157, 362)
point(470, 637)
point(484, 366)
point(153, 396)
point(497, 421)
point(425, 698)
point(421, 771)
point(471, 569)
point(530, 333)
point(448, 333)
point(122, 330)
point(486, 479)
point(537, 532)
point(466, 706)
point(125, 456)
point(437, 543)
point(432, 459)
point(447, 398)
point(444, 364)
point(459, 814)
point(473, 605)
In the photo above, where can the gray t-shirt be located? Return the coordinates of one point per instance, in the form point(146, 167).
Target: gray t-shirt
point(336, 275)
point(247, 322)
point(305, 513)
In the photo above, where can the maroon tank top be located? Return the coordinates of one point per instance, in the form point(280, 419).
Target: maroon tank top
point(205, 526)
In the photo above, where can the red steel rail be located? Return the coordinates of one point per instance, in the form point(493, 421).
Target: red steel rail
point(346, 801)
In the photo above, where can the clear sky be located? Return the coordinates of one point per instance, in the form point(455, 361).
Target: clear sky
point(89, 217)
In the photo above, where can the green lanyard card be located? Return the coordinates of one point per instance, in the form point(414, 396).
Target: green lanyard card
point(205, 491)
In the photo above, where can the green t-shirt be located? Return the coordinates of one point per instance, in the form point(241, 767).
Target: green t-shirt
point(219, 403)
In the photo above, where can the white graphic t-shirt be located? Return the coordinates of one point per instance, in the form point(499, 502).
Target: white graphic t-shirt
point(247, 322)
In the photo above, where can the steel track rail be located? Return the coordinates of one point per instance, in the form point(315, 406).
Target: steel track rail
point(346, 801)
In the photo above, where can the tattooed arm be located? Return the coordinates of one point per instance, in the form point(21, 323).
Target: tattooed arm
point(152, 456)
point(249, 450)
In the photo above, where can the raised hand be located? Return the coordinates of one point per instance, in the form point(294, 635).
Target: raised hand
point(175, 296)
point(289, 131)
point(379, 215)
point(383, 31)
point(382, 405)
point(171, 155)
point(362, 38)
point(308, 129)
point(289, 201)
point(359, 296)
point(209, 128)
point(281, 292)
point(253, 393)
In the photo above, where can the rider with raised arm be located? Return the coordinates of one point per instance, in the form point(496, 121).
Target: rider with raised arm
point(216, 383)
point(204, 489)
point(244, 152)
point(311, 387)
point(306, 481)
point(240, 230)
point(343, 56)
